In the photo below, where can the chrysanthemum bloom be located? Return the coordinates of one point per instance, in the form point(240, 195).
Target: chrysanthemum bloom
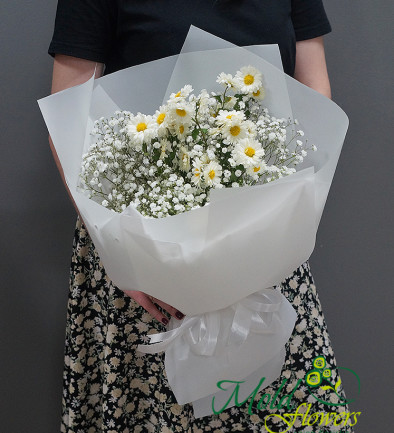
point(256, 171)
point(181, 112)
point(162, 119)
point(212, 174)
point(225, 79)
point(259, 94)
point(181, 131)
point(226, 117)
point(248, 79)
point(235, 130)
point(197, 172)
point(181, 94)
point(248, 152)
point(165, 146)
point(184, 159)
point(141, 129)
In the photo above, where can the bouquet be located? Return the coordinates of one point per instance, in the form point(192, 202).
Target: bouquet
point(166, 163)
point(234, 231)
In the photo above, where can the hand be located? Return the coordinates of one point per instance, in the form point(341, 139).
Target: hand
point(148, 302)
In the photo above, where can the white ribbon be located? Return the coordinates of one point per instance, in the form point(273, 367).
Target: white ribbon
point(201, 331)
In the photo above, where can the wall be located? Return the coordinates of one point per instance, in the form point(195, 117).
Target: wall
point(351, 264)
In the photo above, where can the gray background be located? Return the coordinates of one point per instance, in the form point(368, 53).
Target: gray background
point(352, 261)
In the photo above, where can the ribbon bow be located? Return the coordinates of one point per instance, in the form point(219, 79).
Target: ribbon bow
point(253, 313)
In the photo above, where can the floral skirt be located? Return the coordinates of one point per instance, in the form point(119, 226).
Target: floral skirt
point(110, 387)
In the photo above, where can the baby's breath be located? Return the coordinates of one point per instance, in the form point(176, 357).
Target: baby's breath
point(166, 163)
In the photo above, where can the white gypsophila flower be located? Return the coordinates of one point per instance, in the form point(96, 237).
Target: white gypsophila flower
point(141, 129)
point(248, 79)
point(184, 159)
point(212, 174)
point(248, 152)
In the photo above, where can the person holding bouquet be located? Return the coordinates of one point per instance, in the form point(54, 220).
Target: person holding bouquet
point(108, 385)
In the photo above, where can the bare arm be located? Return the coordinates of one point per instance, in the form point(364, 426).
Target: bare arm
point(310, 67)
point(70, 71)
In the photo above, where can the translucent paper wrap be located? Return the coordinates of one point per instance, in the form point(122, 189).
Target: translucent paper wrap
point(245, 240)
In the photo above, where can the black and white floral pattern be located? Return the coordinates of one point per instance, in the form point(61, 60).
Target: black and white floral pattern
point(111, 388)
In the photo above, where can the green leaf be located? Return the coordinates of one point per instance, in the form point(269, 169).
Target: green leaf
point(195, 134)
point(338, 384)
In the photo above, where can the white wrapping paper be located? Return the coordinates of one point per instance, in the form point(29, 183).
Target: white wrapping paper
point(207, 260)
point(242, 342)
point(245, 239)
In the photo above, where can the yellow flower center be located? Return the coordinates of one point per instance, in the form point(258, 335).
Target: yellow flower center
point(178, 94)
point(181, 112)
point(256, 93)
point(211, 174)
point(197, 172)
point(256, 169)
point(181, 129)
point(248, 79)
point(235, 130)
point(160, 118)
point(141, 127)
point(229, 116)
point(249, 151)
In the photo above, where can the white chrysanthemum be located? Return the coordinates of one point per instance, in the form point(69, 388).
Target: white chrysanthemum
point(161, 118)
point(230, 102)
point(206, 102)
point(181, 131)
point(259, 94)
point(235, 130)
point(256, 170)
point(205, 158)
point(225, 79)
point(248, 79)
point(251, 128)
point(181, 112)
point(141, 129)
point(212, 173)
point(226, 117)
point(165, 146)
point(248, 152)
point(182, 94)
point(197, 172)
point(184, 159)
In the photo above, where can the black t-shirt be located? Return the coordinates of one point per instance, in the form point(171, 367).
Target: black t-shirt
point(123, 33)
